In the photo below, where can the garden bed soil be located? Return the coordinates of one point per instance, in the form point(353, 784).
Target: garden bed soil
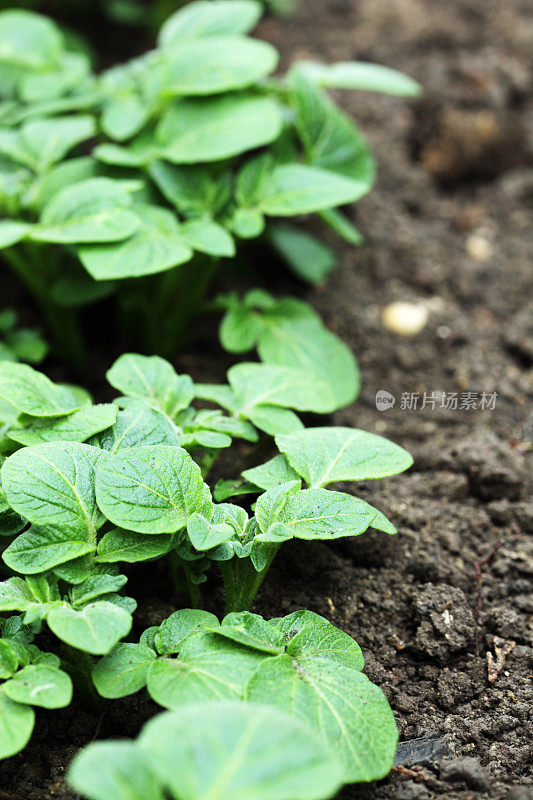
point(441, 609)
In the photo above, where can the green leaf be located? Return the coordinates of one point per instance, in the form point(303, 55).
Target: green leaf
point(138, 423)
point(157, 245)
point(207, 668)
point(114, 769)
point(312, 638)
point(350, 713)
point(123, 117)
point(217, 127)
point(247, 223)
point(9, 658)
point(204, 535)
point(29, 40)
point(209, 237)
point(94, 629)
point(41, 548)
point(153, 379)
point(40, 685)
point(191, 188)
point(123, 671)
point(325, 455)
point(38, 87)
point(179, 626)
point(33, 393)
point(47, 141)
point(301, 189)
point(15, 595)
point(91, 211)
point(58, 177)
point(119, 545)
point(253, 631)
point(53, 484)
point(331, 139)
point(215, 65)
point(316, 514)
point(342, 226)
point(12, 231)
point(265, 384)
point(216, 18)
point(96, 585)
point(151, 489)
point(77, 427)
point(272, 473)
point(308, 257)
point(308, 346)
point(28, 345)
point(16, 720)
point(360, 75)
point(273, 420)
point(232, 751)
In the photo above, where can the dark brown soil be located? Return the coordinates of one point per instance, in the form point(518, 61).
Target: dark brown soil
point(448, 225)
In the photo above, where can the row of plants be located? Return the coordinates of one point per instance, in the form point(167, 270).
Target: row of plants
point(178, 158)
point(140, 184)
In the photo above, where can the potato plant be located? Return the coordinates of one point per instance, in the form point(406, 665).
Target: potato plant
point(142, 180)
point(89, 489)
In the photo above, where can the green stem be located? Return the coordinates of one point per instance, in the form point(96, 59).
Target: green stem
point(79, 666)
point(242, 581)
point(182, 580)
point(63, 323)
point(178, 300)
point(206, 461)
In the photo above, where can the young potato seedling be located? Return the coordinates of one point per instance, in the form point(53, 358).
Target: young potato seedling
point(88, 487)
point(300, 664)
point(221, 750)
point(156, 169)
point(126, 481)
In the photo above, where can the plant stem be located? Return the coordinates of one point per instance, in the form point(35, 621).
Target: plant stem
point(63, 323)
point(178, 300)
point(182, 580)
point(242, 581)
point(79, 666)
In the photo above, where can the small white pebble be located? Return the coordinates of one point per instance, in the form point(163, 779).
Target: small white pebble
point(380, 425)
point(405, 319)
point(443, 331)
point(478, 248)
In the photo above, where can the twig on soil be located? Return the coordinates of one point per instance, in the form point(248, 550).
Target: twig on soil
point(502, 649)
point(483, 562)
point(415, 774)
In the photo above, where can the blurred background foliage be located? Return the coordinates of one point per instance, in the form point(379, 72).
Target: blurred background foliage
point(118, 29)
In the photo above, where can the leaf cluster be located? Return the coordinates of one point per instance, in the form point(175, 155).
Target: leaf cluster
point(89, 489)
point(176, 155)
